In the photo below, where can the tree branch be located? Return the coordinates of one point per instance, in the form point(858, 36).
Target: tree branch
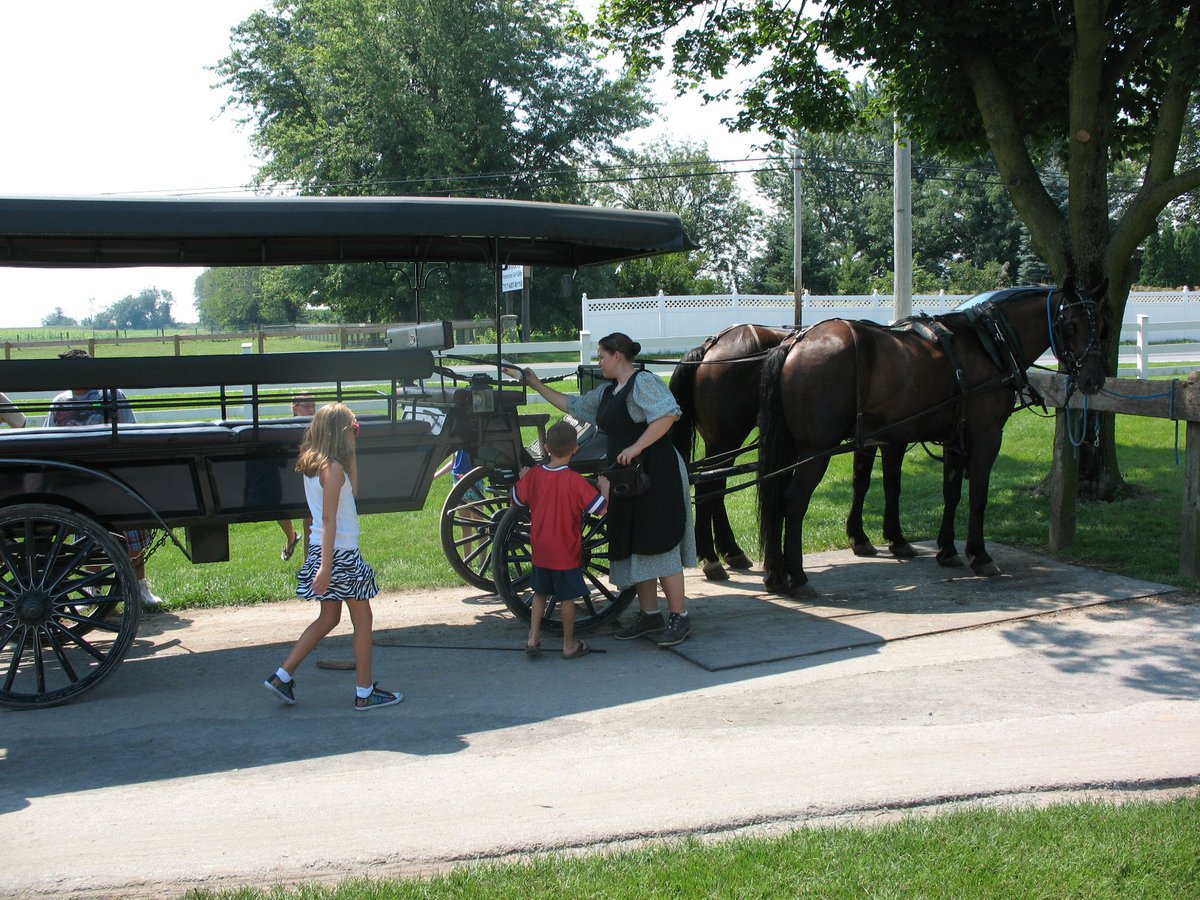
point(1175, 104)
point(1043, 218)
point(1140, 217)
point(1089, 124)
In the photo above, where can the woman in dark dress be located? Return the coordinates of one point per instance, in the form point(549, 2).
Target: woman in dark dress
point(650, 536)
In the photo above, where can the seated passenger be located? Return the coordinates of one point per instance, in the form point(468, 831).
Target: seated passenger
point(90, 406)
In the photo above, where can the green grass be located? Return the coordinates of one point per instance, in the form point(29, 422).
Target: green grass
point(406, 551)
point(1071, 850)
point(164, 346)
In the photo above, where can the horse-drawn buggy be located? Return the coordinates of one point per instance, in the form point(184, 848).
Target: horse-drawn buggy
point(69, 601)
point(69, 605)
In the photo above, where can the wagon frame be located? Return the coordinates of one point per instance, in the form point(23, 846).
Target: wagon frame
point(69, 604)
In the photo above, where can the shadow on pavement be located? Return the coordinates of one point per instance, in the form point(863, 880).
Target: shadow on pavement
point(189, 700)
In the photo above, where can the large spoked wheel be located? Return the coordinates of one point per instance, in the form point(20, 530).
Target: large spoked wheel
point(69, 605)
point(469, 516)
point(512, 568)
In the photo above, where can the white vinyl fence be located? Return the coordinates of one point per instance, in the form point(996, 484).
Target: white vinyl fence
point(663, 316)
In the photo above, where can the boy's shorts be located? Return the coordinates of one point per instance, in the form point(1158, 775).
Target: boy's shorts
point(561, 584)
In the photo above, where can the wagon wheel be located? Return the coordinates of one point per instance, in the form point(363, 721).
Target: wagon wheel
point(62, 576)
point(469, 517)
point(513, 569)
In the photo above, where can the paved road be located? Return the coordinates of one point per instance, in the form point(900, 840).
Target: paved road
point(181, 770)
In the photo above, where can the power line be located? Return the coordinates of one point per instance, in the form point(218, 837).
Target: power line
point(967, 175)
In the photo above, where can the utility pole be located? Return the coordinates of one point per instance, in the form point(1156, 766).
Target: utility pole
point(525, 285)
point(901, 225)
point(797, 210)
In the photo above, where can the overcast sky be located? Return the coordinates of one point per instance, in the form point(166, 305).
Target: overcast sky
point(115, 98)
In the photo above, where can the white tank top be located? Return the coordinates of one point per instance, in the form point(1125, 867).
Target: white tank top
point(347, 514)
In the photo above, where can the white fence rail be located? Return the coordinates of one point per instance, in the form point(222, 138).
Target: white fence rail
point(662, 316)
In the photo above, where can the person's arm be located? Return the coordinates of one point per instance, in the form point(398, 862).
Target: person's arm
point(654, 431)
point(332, 478)
point(555, 398)
point(650, 401)
point(10, 414)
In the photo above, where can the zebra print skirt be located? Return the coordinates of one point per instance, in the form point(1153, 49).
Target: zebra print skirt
point(353, 578)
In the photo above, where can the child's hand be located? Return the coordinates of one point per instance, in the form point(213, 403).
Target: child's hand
point(602, 483)
point(321, 580)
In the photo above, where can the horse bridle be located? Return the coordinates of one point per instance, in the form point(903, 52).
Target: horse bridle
point(1056, 320)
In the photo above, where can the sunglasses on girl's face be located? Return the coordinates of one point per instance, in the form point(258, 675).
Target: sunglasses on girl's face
point(355, 427)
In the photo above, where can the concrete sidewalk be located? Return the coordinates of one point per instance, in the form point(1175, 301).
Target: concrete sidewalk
point(180, 770)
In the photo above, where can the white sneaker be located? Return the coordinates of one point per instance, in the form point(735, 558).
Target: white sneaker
point(149, 599)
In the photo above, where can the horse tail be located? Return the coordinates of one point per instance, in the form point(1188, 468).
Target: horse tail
point(776, 448)
point(683, 387)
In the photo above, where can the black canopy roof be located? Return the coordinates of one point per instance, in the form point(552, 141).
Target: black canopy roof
point(115, 231)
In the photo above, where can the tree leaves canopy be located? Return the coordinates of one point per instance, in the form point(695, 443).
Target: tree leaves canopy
point(1097, 81)
point(481, 97)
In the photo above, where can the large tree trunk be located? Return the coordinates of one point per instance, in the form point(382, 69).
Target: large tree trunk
point(1099, 474)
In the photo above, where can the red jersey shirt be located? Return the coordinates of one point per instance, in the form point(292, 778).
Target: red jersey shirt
point(557, 497)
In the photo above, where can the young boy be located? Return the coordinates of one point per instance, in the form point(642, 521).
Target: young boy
point(558, 498)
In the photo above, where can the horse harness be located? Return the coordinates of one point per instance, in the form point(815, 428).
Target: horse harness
point(1001, 344)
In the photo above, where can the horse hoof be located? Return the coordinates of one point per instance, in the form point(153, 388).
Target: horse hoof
point(714, 571)
point(803, 591)
point(863, 548)
point(902, 551)
point(739, 561)
point(953, 561)
point(985, 569)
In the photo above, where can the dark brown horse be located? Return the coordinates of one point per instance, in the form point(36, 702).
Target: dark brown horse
point(717, 386)
point(847, 384)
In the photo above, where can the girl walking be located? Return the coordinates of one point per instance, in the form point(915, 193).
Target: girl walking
point(334, 570)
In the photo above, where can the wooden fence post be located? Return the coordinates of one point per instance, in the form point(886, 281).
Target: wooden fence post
point(262, 337)
point(92, 347)
point(1064, 483)
point(7, 350)
point(177, 346)
point(1189, 542)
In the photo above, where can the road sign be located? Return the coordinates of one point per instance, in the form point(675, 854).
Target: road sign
point(512, 278)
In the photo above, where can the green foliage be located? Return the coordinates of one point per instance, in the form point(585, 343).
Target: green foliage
point(58, 319)
point(1100, 86)
point(675, 273)
point(1171, 257)
point(463, 97)
point(683, 179)
point(151, 308)
point(965, 229)
point(379, 96)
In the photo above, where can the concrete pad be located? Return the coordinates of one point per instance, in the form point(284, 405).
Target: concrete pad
point(866, 601)
point(181, 771)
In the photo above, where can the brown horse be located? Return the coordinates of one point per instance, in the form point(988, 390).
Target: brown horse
point(717, 386)
point(951, 379)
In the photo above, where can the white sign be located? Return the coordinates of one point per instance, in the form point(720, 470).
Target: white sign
point(512, 278)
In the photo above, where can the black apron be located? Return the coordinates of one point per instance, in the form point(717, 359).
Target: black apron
point(654, 522)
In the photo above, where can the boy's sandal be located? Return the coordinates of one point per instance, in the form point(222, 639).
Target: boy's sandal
point(533, 649)
point(286, 553)
point(581, 649)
